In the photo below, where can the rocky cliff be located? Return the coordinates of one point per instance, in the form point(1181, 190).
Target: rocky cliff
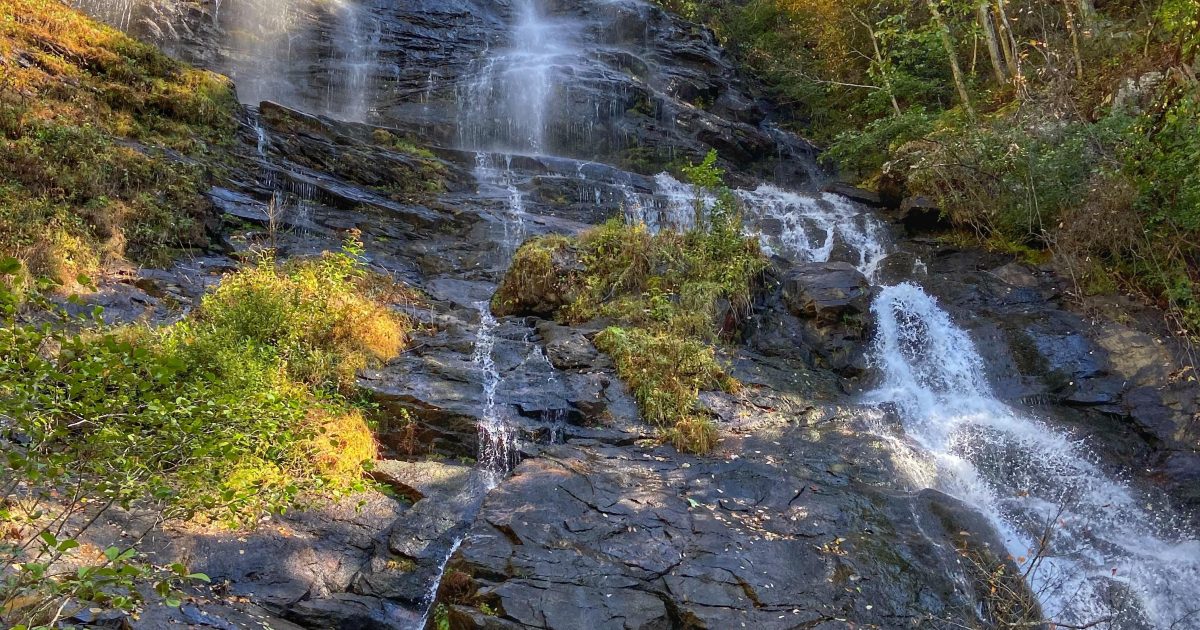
point(447, 134)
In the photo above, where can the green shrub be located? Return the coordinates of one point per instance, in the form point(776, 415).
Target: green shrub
point(671, 295)
point(666, 372)
point(230, 412)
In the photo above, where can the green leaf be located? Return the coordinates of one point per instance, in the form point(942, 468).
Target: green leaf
point(200, 577)
point(9, 266)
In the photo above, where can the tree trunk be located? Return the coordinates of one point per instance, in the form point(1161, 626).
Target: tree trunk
point(883, 71)
point(984, 14)
point(1008, 43)
point(1074, 30)
point(944, 33)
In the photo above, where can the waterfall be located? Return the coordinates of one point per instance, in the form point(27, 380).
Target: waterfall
point(497, 439)
point(1091, 547)
point(510, 103)
point(1108, 553)
point(806, 226)
point(116, 13)
point(797, 225)
point(356, 44)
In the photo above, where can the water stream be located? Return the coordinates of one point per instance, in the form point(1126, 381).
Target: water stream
point(1092, 548)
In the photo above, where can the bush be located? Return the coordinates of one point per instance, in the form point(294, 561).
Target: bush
point(666, 373)
point(671, 295)
point(236, 410)
point(84, 124)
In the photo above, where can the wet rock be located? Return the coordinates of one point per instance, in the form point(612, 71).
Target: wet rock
point(826, 292)
point(921, 215)
point(859, 195)
point(900, 267)
point(568, 348)
point(419, 480)
point(601, 537)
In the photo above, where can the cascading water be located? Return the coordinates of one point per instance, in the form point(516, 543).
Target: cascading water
point(509, 105)
point(355, 43)
point(807, 226)
point(117, 13)
point(1091, 548)
point(497, 439)
point(265, 43)
point(800, 226)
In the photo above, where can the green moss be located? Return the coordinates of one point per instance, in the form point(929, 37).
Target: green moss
point(537, 281)
point(666, 373)
point(386, 138)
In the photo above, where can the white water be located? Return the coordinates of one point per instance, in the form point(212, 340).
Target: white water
point(498, 443)
point(796, 225)
point(807, 226)
point(509, 105)
point(116, 13)
point(1108, 555)
point(356, 45)
point(498, 439)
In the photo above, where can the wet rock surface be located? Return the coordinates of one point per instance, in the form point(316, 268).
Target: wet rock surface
point(794, 527)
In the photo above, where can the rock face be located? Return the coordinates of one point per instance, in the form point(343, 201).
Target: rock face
point(794, 532)
point(817, 313)
point(802, 519)
point(649, 85)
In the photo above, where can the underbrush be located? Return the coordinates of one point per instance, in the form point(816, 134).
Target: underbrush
point(245, 407)
point(669, 297)
point(88, 121)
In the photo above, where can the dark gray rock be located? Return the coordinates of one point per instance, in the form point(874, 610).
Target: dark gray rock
point(789, 532)
point(826, 292)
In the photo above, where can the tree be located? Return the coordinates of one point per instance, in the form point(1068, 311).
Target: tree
point(960, 83)
point(987, 24)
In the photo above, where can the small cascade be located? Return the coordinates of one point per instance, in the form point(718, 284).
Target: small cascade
point(489, 175)
point(356, 44)
point(430, 598)
point(264, 46)
point(800, 226)
point(676, 205)
point(1091, 548)
point(115, 13)
point(498, 445)
point(805, 226)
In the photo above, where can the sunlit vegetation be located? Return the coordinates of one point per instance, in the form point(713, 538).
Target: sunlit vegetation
point(89, 121)
point(1067, 129)
point(245, 407)
point(669, 296)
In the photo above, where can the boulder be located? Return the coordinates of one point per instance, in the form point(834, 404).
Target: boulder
point(826, 292)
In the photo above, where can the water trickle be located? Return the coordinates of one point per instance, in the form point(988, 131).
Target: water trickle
point(498, 445)
point(1109, 554)
point(355, 43)
point(116, 13)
